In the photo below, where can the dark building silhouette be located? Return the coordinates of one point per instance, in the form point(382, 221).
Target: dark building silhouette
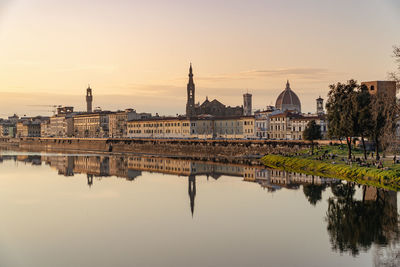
point(89, 99)
point(213, 107)
point(190, 106)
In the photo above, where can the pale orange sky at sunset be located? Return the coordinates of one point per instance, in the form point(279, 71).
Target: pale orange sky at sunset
point(137, 53)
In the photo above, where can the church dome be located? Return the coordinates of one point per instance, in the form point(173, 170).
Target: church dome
point(288, 100)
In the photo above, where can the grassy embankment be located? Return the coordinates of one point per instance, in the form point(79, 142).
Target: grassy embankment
point(388, 178)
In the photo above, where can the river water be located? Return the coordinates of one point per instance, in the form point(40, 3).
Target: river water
point(96, 210)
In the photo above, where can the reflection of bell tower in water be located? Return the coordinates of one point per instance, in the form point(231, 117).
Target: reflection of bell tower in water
point(192, 191)
point(89, 179)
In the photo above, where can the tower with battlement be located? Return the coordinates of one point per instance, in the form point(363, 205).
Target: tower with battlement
point(89, 99)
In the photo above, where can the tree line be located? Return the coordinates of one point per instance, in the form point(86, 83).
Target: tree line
point(353, 112)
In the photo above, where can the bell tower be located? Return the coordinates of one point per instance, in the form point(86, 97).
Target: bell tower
point(190, 106)
point(89, 99)
point(320, 106)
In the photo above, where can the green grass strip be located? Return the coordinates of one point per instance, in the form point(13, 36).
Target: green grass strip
point(388, 179)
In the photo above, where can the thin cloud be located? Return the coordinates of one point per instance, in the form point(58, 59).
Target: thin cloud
point(310, 74)
point(100, 68)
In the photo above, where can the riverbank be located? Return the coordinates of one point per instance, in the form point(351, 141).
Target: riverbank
point(200, 149)
point(388, 178)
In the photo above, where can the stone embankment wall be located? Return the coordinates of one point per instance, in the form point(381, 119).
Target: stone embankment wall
point(9, 142)
point(167, 147)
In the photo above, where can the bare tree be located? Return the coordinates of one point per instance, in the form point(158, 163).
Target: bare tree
point(384, 113)
point(395, 75)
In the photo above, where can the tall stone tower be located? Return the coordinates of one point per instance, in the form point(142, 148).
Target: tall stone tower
point(190, 106)
point(89, 99)
point(382, 88)
point(247, 104)
point(320, 106)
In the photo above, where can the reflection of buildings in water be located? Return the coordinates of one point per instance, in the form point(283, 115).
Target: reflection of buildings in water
point(130, 167)
point(95, 165)
point(216, 170)
point(276, 179)
point(161, 165)
point(32, 159)
point(119, 168)
point(63, 164)
point(8, 157)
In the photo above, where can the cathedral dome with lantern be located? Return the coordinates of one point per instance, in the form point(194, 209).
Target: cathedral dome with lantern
point(288, 100)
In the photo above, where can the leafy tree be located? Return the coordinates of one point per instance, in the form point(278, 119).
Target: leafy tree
point(384, 114)
point(364, 123)
point(312, 132)
point(341, 113)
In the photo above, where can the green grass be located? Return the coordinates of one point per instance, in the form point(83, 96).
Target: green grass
point(389, 179)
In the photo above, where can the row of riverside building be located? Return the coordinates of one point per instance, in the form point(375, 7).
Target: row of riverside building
point(209, 120)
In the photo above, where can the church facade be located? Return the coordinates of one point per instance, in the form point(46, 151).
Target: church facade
point(214, 107)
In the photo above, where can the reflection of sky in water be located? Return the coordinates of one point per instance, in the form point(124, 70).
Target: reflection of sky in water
point(52, 220)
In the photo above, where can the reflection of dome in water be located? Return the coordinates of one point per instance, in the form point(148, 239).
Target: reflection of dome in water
point(288, 100)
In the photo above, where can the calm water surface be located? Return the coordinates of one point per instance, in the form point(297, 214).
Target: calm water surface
point(95, 210)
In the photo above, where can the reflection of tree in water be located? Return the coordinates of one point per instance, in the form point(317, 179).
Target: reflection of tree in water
point(313, 192)
point(354, 225)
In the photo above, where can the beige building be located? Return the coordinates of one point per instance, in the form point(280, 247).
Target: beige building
point(299, 125)
point(28, 128)
point(91, 125)
point(234, 127)
point(249, 123)
point(290, 126)
point(44, 128)
point(118, 124)
point(7, 129)
point(118, 121)
point(168, 127)
point(262, 121)
point(3, 130)
point(61, 125)
point(202, 127)
point(281, 125)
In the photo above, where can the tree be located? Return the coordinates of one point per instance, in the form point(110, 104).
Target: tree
point(341, 113)
point(364, 123)
point(312, 132)
point(395, 76)
point(384, 114)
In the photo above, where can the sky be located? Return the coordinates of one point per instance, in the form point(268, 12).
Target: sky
point(136, 54)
